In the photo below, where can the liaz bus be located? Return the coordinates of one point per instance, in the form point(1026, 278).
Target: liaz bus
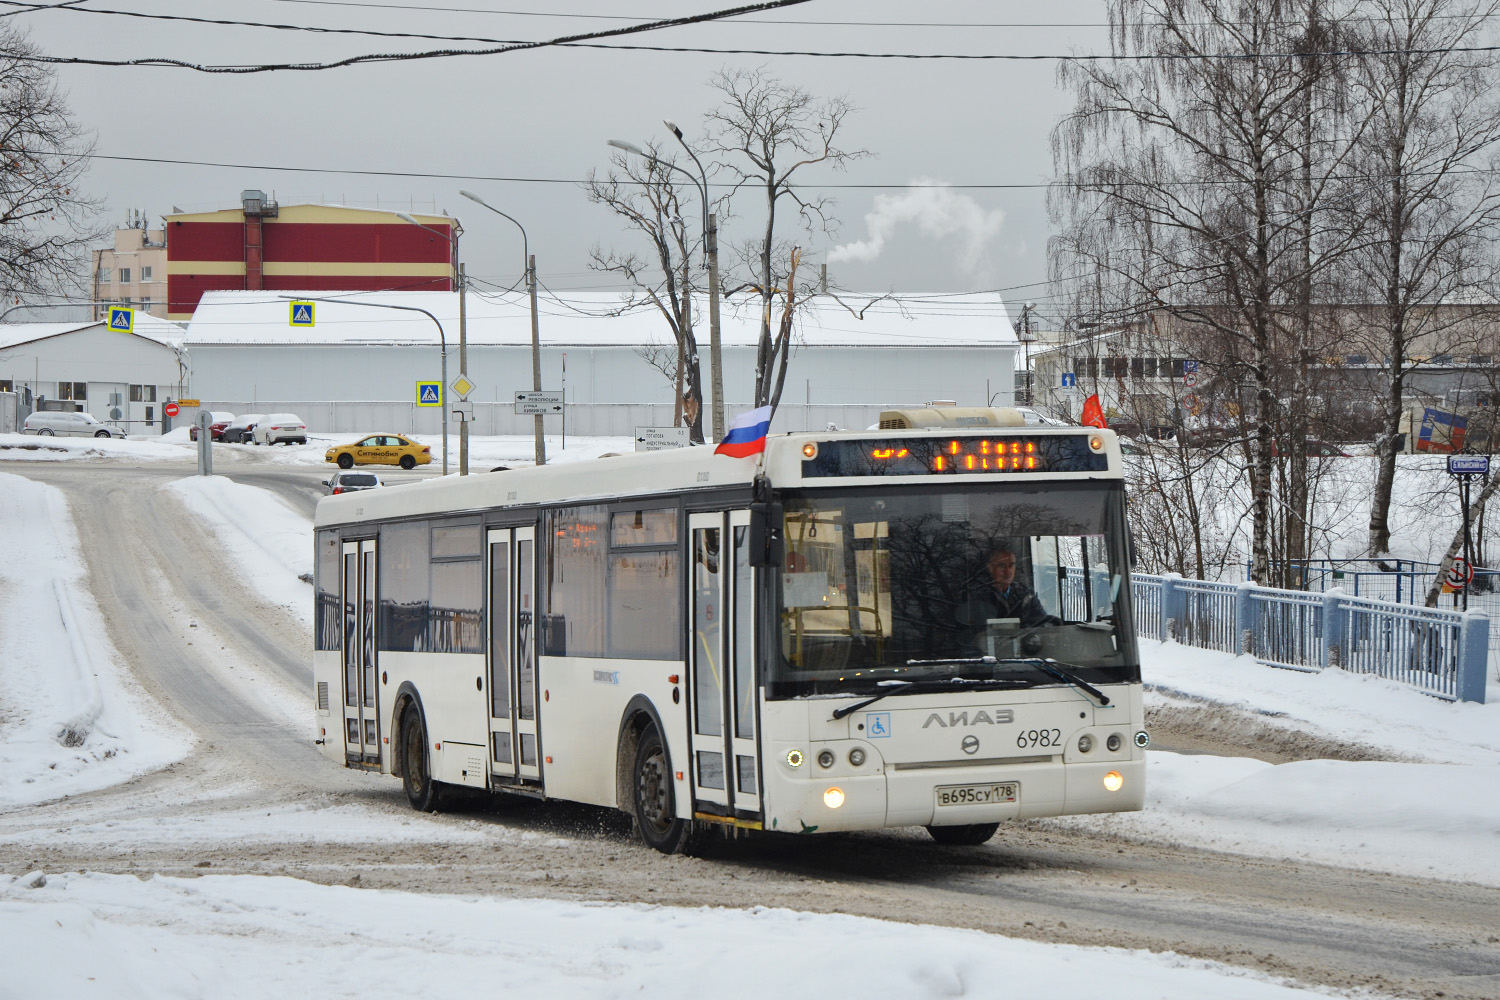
point(821, 637)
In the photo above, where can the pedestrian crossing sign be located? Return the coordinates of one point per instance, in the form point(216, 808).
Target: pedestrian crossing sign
point(122, 318)
point(429, 394)
point(302, 313)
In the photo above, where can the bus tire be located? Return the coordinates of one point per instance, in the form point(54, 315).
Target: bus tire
point(653, 800)
point(424, 794)
point(968, 835)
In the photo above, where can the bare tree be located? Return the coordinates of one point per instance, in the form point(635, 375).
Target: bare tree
point(767, 131)
point(1429, 216)
point(641, 191)
point(1198, 170)
point(46, 223)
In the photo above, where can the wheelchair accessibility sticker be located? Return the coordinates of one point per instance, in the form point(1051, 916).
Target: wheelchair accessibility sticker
point(877, 725)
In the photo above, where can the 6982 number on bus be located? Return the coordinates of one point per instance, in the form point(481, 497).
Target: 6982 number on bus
point(1039, 738)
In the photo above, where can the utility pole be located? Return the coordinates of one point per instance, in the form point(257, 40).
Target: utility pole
point(536, 359)
point(463, 369)
point(715, 358)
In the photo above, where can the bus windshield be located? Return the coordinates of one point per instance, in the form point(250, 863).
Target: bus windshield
point(960, 586)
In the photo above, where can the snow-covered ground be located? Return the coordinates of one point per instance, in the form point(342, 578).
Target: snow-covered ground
point(71, 717)
point(1436, 814)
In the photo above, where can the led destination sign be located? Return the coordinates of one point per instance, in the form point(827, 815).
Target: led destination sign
point(953, 456)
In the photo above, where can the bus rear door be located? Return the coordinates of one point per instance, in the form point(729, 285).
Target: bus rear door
point(721, 659)
point(357, 598)
point(512, 654)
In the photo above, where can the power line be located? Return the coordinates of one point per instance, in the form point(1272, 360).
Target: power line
point(406, 56)
point(913, 185)
point(581, 41)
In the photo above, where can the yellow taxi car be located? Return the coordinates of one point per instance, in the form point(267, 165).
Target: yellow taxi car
point(380, 449)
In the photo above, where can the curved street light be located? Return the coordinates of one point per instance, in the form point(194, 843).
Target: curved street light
point(463, 347)
point(536, 345)
point(711, 258)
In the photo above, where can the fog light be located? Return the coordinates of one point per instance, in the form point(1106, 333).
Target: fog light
point(1085, 743)
point(833, 798)
point(825, 758)
point(1113, 781)
point(1113, 743)
point(857, 756)
point(794, 758)
point(1143, 739)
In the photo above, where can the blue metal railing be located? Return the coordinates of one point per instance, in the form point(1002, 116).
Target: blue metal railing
point(1442, 653)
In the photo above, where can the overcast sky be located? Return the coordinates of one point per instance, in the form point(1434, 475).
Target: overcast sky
point(546, 114)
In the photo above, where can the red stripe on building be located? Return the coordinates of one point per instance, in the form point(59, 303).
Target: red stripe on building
point(331, 241)
point(206, 241)
point(357, 282)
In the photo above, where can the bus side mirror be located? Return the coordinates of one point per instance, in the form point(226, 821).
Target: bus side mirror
point(765, 534)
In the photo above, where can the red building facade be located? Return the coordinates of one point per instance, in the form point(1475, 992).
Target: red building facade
point(262, 245)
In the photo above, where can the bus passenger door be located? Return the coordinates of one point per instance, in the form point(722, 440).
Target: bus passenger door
point(512, 653)
point(357, 598)
point(721, 663)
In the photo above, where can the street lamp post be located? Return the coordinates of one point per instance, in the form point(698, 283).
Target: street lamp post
point(463, 352)
point(711, 259)
point(442, 340)
point(536, 343)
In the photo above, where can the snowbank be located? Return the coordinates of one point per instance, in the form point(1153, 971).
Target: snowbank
point(71, 717)
point(244, 936)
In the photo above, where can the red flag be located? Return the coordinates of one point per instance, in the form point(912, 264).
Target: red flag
point(1093, 414)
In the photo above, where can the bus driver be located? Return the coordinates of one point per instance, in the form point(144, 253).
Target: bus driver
point(1010, 597)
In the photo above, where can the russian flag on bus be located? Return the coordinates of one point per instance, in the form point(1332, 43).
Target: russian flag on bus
point(746, 434)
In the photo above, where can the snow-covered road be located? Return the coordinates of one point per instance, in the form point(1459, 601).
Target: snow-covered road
point(161, 617)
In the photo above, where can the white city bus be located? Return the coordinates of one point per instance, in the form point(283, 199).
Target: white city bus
point(801, 641)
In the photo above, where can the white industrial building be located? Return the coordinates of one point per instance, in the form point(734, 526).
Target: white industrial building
point(122, 378)
point(357, 364)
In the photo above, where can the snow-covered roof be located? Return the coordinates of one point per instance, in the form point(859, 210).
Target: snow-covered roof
point(588, 320)
point(146, 326)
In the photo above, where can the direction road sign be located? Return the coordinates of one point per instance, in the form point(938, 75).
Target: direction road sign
point(661, 438)
point(1069, 380)
point(544, 401)
point(1468, 465)
point(187, 402)
point(429, 394)
point(171, 410)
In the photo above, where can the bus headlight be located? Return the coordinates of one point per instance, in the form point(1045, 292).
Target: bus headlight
point(825, 758)
point(857, 757)
point(833, 798)
point(794, 758)
point(1085, 743)
point(1143, 739)
point(1113, 781)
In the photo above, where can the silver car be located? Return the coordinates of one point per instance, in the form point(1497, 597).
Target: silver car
point(64, 423)
point(351, 482)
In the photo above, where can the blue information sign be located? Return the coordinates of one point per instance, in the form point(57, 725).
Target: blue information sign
point(429, 394)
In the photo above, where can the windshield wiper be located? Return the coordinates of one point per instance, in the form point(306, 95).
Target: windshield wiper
point(946, 682)
point(1050, 666)
point(892, 688)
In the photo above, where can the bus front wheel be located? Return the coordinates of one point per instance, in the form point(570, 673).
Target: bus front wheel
point(655, 804)
point(967, 835)
point(416, 773)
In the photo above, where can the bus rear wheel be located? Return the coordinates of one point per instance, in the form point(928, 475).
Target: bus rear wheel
point(655, 805)
point(416, 773)
point(967, 835)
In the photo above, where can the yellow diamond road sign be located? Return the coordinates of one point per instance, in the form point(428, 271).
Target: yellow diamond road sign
point(462, 385)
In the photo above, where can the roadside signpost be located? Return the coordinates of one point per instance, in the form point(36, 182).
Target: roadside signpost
point(1464, 466)
point(171, 409)
point(545, 402)
point(429, 394)
point(661, 438)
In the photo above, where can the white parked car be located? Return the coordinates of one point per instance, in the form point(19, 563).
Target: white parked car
point(280, 428)
point(62, 423)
